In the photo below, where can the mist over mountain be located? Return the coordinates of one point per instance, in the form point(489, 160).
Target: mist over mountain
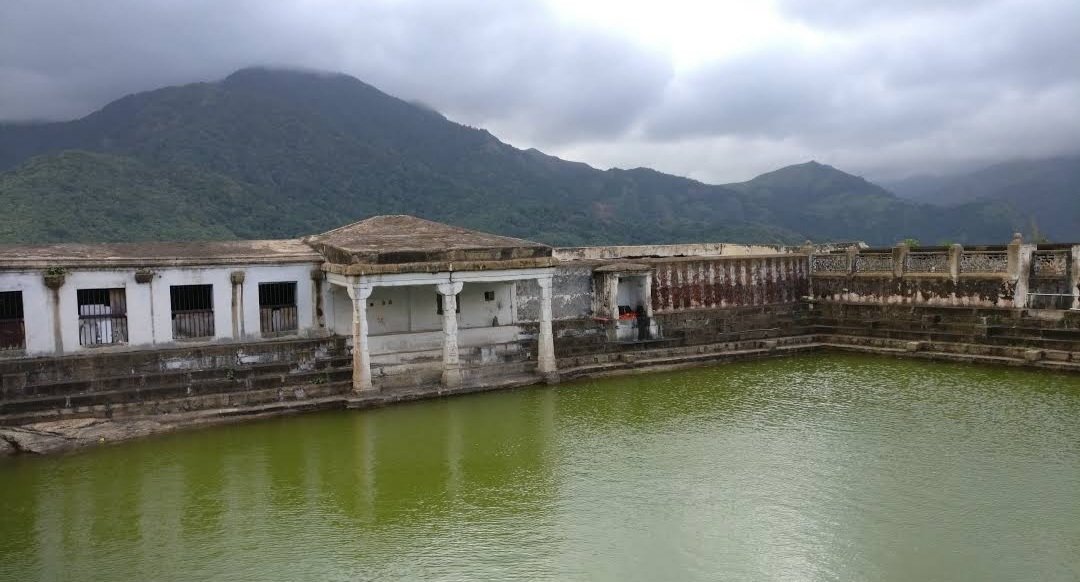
point(1046, 192)
point(275, 153)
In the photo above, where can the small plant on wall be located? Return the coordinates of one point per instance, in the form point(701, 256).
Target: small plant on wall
point(144, 276)
point(55, 276)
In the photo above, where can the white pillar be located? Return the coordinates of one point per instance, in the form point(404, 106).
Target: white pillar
point(1074, 277)
point(648, 290)
point(361, 356)
point(451, 375)
point(546, 356)
point(237, 279)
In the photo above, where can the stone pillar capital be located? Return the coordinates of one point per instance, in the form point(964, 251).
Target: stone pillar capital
point(450, 288)
point(544, 282)
point(360, 291)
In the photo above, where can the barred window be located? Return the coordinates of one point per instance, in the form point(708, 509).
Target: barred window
point(277, 307)
point(102, 316)
point(12, 329)
point(192, 311)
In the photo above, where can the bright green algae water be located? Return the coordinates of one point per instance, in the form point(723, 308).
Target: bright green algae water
point(812, 468)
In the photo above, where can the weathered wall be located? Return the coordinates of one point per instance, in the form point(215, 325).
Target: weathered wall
point(37, 309)
point(1055, 272)
point(984, 290)
point(1012, 276)
point(687, 250)
point(974, 329)
point(91, 366)
point(728, 282)
point(571, 295)
point(702, 326)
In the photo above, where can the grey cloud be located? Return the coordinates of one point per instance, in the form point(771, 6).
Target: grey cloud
point(901, 85)
point(483, 61)
point(888, 85)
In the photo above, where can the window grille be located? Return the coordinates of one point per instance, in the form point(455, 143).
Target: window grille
point(277, 307)
point(489, 296)
point(439, 303)
point(102, 316)
point(192, 311)
point(12, 329)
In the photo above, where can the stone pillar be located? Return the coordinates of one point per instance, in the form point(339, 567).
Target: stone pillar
point(318, 320)
point(1014, 255)
point(361, 356)
point(54, 280)
point(852, 252)
point(1019, 256)
point(955, 252)
point(237, 278)
point(648, 291)
point(546, 350)
point(1074, 276)
point(808, 250)
point(451, 375)
point(899, 257)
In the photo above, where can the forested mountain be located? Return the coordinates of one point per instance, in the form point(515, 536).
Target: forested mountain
point(1046, 192)
point(272, 153)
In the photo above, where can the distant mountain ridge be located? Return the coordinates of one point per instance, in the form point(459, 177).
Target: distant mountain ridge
point(1046, 190)
point(276, 153)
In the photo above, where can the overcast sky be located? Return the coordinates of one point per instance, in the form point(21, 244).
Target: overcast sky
point(718, 90)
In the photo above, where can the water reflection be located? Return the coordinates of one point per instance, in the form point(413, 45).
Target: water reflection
point(815, 468)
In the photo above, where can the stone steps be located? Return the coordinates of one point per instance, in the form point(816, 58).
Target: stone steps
point(957, 352)
point(109, 363)
point(137, 381)
point(170, 390)
point(239, 401)
point(684, 355)
point(992, 336)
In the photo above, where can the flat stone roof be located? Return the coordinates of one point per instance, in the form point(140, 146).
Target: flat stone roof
point(402, 239)
point(151, 254)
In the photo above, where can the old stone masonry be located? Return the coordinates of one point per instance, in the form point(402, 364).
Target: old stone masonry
point(396, 307)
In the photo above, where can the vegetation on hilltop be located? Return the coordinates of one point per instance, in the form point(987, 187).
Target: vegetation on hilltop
point(270, 153)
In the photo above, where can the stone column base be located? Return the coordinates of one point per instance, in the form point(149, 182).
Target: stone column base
point(550, 377)
point(451, 377)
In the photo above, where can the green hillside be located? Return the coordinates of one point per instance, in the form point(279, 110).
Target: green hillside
point(1041, 196)
point(75, 195)
point(267, 153)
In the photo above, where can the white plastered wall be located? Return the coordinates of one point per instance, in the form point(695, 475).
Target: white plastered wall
point(305, 309)
point(140, 332)
point(413, 308)
point(339, 314)
point(149, 312)
point(219, 277)
point(37, 314)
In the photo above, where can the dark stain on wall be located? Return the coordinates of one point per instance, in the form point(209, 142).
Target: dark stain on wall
point(986, 291)
point(728, 282)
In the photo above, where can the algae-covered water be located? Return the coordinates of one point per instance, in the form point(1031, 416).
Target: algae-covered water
point(822, 467)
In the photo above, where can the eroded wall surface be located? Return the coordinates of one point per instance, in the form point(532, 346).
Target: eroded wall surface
point(1015, 276)
point(571, 295)
point(728, 282)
